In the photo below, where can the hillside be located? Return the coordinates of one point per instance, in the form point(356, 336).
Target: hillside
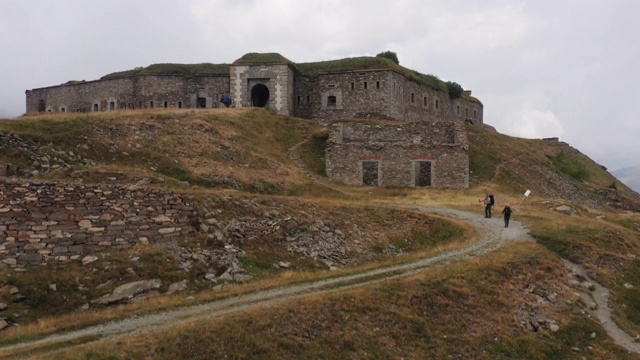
point(262, 222)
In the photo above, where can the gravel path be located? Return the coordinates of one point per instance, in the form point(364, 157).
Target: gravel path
point(493, 236)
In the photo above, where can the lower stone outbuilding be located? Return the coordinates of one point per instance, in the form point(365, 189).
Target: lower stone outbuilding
point(424, 154)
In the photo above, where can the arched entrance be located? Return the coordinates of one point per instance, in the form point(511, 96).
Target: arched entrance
point(259, 95)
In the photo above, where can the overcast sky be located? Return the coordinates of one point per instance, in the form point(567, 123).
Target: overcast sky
point(542, 68)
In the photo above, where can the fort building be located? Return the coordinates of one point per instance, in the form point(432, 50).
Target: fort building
point(430, 140)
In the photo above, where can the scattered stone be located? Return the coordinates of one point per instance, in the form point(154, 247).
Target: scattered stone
point(241, 278)
point(3, 306)
point(627, 286)
point(128, 291)
point(284, 264)
point(593, 335)
point(3, 324)
point(178, 286)
point(89, 259)
point(210, 277)
point(566, 209)
point(53, 287)
point(226, 276)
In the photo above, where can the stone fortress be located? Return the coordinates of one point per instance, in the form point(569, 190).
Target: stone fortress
point(420, 141)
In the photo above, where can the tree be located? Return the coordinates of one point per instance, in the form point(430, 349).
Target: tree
point(389, 55)
point(455, 90)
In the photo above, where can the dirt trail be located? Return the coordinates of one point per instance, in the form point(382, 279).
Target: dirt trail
point(597, 300)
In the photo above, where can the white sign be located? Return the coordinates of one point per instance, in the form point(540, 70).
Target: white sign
point(526, 193)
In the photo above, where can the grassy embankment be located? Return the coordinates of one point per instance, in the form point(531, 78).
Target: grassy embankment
point(467, 308)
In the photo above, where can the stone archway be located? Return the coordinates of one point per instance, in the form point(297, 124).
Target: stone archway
point(259, 95)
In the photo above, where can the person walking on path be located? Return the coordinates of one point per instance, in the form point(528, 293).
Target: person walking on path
point(507, 215)
point(488, 203)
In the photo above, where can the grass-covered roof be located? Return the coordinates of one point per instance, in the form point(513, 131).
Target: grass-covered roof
point(369, 63)
point(173, 69)
point(310, 69)
point(262, 58)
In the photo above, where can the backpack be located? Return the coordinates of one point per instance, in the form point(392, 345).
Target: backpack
point(507, 210)
point(491, 201)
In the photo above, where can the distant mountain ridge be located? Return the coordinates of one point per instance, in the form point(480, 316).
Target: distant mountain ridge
point(629, 176)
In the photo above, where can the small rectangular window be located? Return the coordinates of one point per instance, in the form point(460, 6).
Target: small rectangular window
point(436, 103)
point(166, 104)
point(474, 114)
point(331, 86)
point(331, 101)
point(299, 99)
point(413, 98)
point(308, 99)
point(365, 84)
point(151, 103)
point(377, 84)
point(458, 110)
point(370, 173)
point(353, 86)
point(424, 101)
point(179, 104)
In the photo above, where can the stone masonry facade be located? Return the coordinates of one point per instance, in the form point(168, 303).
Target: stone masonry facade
point(326, 96)
point(405, 154)
point(48, 222)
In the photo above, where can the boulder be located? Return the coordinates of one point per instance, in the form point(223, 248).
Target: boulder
point(566, 209)
point(128, 291)
point(177, 286)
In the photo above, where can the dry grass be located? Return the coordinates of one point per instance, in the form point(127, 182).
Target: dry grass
point(466, 309)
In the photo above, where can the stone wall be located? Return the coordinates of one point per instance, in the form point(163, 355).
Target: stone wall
point(328, 97)
point(377, 94)
point(130, 92)
point(53, 222)
point(414, 154)
point(278, 79)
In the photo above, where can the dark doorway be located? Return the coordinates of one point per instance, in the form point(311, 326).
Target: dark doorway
point(259, 95)
point(41, 106)
point(370, 173)
point(201, 102)
point(423, 173)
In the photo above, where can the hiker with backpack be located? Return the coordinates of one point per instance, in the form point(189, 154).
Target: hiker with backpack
point(507, 215)
point(225, 100)
point(489, 201)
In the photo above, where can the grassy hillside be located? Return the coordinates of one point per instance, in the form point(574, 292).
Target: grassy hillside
point(235, 164)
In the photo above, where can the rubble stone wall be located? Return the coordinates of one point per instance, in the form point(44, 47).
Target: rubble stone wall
point(53, 222)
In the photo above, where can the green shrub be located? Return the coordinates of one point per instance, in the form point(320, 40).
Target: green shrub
point(455, 90)
point(389, 55)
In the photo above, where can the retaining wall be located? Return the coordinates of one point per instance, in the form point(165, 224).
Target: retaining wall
point(53, 222)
